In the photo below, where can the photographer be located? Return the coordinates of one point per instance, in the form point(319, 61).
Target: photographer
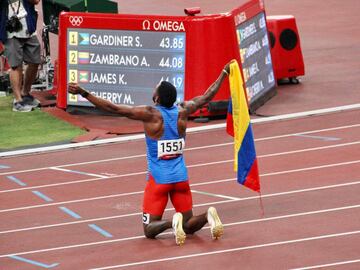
point(18, 34)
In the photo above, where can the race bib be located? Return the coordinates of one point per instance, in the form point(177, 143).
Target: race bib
point(146, 218)
point(168, 149)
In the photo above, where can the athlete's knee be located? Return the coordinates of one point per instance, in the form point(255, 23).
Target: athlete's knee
point(148, 233)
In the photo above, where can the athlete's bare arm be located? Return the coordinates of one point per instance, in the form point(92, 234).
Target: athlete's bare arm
point(196, 103)
point(142, 113)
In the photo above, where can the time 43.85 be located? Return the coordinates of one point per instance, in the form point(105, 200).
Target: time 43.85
point(172, 43)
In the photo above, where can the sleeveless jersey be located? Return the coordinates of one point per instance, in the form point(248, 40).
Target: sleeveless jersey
point(165, 156)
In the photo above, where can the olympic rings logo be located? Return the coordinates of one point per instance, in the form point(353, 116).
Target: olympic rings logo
point(76, 20)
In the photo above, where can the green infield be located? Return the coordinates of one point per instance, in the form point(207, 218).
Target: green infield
point(20, 129)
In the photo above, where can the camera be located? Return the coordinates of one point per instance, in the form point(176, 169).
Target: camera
point(13, 24)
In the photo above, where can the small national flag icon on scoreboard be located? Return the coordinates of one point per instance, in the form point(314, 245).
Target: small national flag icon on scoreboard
point(84, 38)
point(84, 76)
point(83, 57)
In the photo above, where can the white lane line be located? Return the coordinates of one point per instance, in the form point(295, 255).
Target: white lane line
point(322, 138)
point(233, 199)
point(329, 210)
point(290, 116)
point(311, 168)
point(307, 132)
point(140, 192)
point(309, 149)
point(72, 201)
point(194, 255)
point(78, 172)
point(73, 182)
point(188, 149)
point(190, 166)
point(70, 223)
point(111, 159)
point(214, 195)
point(277, 194)
point(327, 265)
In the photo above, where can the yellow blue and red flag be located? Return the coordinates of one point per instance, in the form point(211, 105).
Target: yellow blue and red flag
point(238, 125)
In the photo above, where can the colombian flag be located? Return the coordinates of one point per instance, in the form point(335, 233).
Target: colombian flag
point(238, 125)
point(84, 57)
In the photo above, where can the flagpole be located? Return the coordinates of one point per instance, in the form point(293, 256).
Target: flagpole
point(261, 206)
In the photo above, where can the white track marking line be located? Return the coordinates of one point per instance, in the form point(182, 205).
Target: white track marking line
point(233, 199)
point(69, 223)
point(274, 194)
point(72, 201)
point(194, 255)
point(311, 168)
point(78, 172)
point(327, 265)
point(329, 210)
point(140, 192)
point(215, 195)
point(100, 177)
point(73, 182)
point(290, 116)
point(309, 149)
point(321, 138)
point(188, 149)
point(277, 194)
point(306, 132)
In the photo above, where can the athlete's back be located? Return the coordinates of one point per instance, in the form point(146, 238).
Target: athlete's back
point(165, 153)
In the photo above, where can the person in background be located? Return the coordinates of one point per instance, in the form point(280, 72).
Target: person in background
point(165, 131)
point(18, 34)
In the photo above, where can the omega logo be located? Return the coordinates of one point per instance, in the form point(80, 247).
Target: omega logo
point(174, 26)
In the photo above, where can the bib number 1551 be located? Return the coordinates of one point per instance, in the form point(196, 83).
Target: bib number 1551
point(171, 147)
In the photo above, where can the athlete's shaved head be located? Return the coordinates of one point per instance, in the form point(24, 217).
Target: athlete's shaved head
point(166, 93)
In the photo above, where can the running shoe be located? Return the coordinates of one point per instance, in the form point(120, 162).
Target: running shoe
point(216, 227)
point(31, 101)
point(177, 224)
point(20, 106)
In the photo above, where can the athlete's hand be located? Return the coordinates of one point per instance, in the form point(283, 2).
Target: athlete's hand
point(75, 89)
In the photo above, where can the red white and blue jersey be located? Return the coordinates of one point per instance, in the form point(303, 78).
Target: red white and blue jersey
point(165, 156)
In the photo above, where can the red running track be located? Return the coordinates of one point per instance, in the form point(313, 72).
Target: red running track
point(310, 176)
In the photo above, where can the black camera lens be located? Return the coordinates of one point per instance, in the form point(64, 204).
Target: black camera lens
point(13, 24)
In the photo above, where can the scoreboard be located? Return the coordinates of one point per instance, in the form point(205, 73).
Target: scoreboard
point(255, 57)
point(122, 57)
point(124, 66)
